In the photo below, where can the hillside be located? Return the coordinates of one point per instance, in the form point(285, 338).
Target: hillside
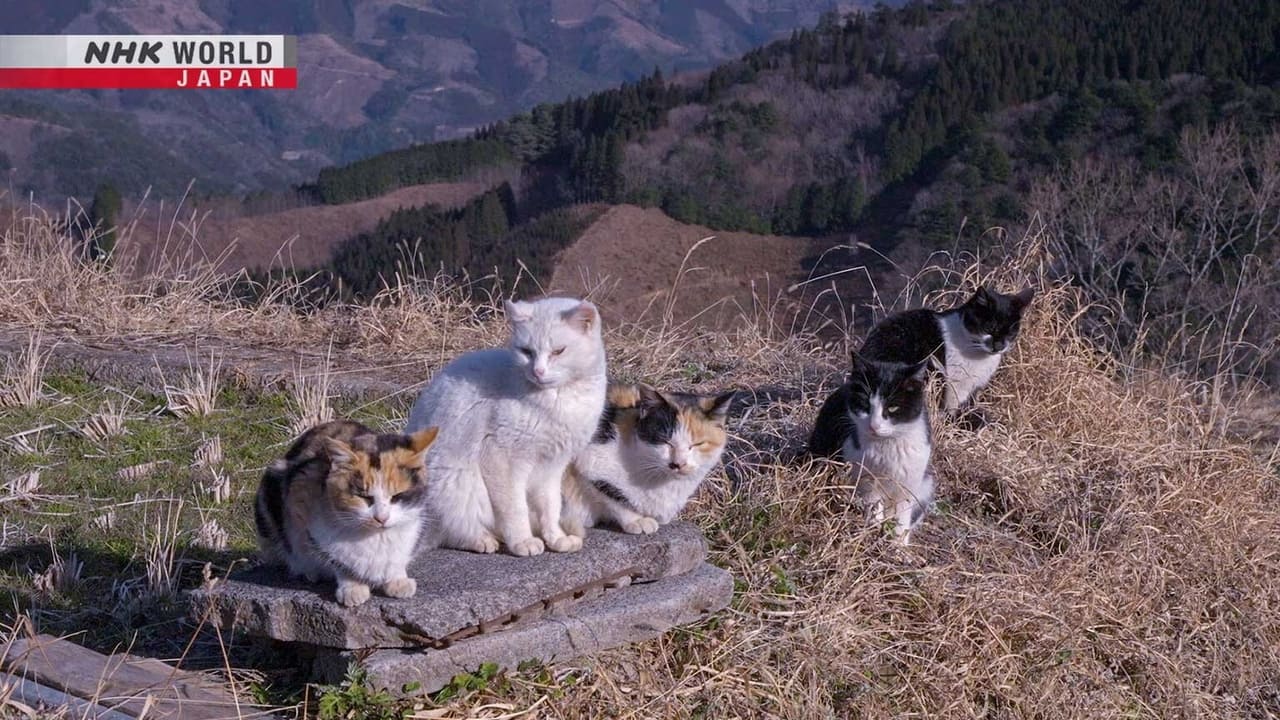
point(643, 266)
point(372, 76)
point(303, 237)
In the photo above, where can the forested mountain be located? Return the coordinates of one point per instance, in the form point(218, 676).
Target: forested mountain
point(373, 75)
point(896, 124)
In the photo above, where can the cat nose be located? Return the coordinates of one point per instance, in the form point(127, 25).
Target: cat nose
point(381, 517)
point(674, 465)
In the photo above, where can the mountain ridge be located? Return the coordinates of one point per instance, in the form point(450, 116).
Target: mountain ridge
point(373, 76)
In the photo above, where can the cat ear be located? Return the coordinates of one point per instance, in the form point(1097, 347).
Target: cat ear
point(421, 440)
point(1023, 298)
point(857, 362)
point(717, 407)
point(981, 296)
point(340, 453)
point(518, 311)
point(583, 317)
point(649, 395)
point(650, 399)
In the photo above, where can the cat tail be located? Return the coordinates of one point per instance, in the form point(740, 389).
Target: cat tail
point(268, 513)
point(832, 426)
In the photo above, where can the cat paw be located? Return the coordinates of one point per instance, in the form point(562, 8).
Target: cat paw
point(565, 543)
point(641, 526)
point(486, 544)
point(351, 594)
point(527, 547)
point(400, 587)
point(573, 527)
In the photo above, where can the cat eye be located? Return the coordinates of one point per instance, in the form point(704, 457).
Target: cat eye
point(892, 409)
point(528, 352)
point(557, 351)
point(366, 498)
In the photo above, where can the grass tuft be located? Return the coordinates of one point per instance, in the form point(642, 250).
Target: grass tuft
point(310, 400)
point(22, 378)
point(107, 423)
point(161, 529)
point(196, 393)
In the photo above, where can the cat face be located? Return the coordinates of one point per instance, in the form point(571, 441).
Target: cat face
point(680, 434)
point(555, 340)
point(378, 481)
point(885, 397)
point(993, 318)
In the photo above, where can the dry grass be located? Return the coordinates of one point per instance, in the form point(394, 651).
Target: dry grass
point(161, 531)
point(209, 454)
point(22, 377)
point(196, 393)
point(210, 536)
point(61, 576)
point(1101, 548)
point(22, 487)
point(310, 396)
point(108, 422)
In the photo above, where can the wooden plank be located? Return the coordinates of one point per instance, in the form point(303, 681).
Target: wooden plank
point(37, 697)
point(124, 683)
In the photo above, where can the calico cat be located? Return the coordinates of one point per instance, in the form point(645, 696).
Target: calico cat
point(651, 451)
point(966, 343)
point(346, 503)
point(888, 441)
point(511, 420)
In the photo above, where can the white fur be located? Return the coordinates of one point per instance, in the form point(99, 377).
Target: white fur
point(891, 467)
point(510, 421)
point(375, 557)
point(361, 549)
point(643, 473)
point(969, 365)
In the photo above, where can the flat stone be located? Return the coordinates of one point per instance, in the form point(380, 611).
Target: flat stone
point(459, 593)
point(625, 615)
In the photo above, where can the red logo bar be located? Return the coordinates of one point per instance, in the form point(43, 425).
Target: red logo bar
point(109, 78)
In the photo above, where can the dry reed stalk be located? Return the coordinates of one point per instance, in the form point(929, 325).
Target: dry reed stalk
point(196, 393)
point(22, 379)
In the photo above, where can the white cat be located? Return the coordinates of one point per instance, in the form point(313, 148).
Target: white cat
point(510, 421)
point(650, 453)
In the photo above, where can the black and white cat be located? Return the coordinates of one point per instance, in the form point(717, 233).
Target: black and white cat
point(966, 343)
point(885, 427)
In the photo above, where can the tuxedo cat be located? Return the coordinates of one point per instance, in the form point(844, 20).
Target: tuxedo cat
point(882, 408)
point(966, 343)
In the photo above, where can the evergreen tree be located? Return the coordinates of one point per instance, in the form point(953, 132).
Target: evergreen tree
point(104, 214)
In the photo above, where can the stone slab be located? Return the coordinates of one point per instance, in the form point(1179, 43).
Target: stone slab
point(620, 616)
point(459, 593)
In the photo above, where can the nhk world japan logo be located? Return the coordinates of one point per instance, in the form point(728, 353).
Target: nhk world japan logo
point(155, 62)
